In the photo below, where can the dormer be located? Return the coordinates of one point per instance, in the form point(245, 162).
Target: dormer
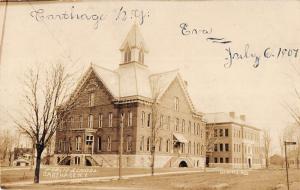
point(133, 48)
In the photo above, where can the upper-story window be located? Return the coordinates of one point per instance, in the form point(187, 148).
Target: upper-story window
point(168, 122)
point(176, 104)
point(78, 143)
point(221, 132)
point(190, 127)
point(127, 56)
point(89, 140)
point(149, 120)
point(143, 118)
point(226, 132)
point(161, 121)
point(176, 124)
point(183, 126)
point(141, 56)
point(92, 99)
point(110, 118)
point(100, 120)
point(215, 132)
point(129, 120)
point(90, 121)
point(80, 121)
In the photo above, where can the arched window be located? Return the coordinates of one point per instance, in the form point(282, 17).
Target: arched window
point(141, 56)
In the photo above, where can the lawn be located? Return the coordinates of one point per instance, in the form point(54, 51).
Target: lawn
point(255, 180)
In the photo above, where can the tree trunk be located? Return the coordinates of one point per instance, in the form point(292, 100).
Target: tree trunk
point(39, 151)
point(152, 161)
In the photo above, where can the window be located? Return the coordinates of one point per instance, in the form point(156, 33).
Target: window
point(129, 143)
point(183, 126)
point(168, 146)
point(89, 140)
point(202, 149)
point(189, 147)
point(100, 121)
point(216, 160)
point(176, 104)
point(194, 128)
point(110, 117)
point(149, 120)
point(216, 132)
point(99, 144)
point(92, 99)
point(80, 121)
point(72, 122)
point(221, 147)
point(143, 118)
point(160, 144)
point(77, 160)
point(198, 129)
point(221, 132)
point(169, 122)
point(215, 147)
point(194, 148)
point(142, 144)
point(161, 121)
point(141, 56)
point(221, 160)
point(70, 144)
point(90, 121)
point(129, 119)
point(78, 143)
point(190, 127)
point(176, 124)
point(148, 144)
point(227, 160)
point(108, 147)
point(226, 132)
point(127, 57)
point(226, 147)
point(183, 148)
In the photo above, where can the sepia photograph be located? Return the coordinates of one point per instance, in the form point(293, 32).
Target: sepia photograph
point(164, 95)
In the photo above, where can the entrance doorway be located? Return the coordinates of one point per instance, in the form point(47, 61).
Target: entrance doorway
point(249, 162)
point(183, 164)
point(207, 161)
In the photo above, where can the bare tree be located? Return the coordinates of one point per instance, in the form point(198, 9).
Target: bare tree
point(210, 140)
point(156, 113)
point(7, 141)
point(44, 92)
point(267, 146)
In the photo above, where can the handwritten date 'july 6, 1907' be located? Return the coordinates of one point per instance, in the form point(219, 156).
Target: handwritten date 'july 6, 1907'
point(267, 54)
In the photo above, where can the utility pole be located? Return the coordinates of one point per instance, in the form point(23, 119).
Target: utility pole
point(3, 30)
point(286, 162)
point(121, 145)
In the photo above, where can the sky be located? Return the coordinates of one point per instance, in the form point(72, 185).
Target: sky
point(263, 29)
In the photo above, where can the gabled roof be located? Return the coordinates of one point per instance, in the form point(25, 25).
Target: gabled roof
point(135, 80)
point(134, 39)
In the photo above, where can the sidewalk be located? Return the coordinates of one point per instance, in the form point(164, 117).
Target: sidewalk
point(106, 178)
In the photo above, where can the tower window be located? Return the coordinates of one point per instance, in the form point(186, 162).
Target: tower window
point(141, 56)
point(127, 56)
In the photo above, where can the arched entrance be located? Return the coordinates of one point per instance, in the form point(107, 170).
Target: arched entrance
point(88, 162)
point(183, 164)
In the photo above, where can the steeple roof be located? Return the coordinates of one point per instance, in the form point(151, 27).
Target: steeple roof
point(134, 39)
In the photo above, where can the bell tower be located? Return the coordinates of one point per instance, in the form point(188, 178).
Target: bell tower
point(133, 49)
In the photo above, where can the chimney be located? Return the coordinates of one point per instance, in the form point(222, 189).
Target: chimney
point(232, 114)
point(243, 117)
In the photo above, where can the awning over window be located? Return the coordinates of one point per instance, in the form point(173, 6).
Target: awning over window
point(180, 138)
